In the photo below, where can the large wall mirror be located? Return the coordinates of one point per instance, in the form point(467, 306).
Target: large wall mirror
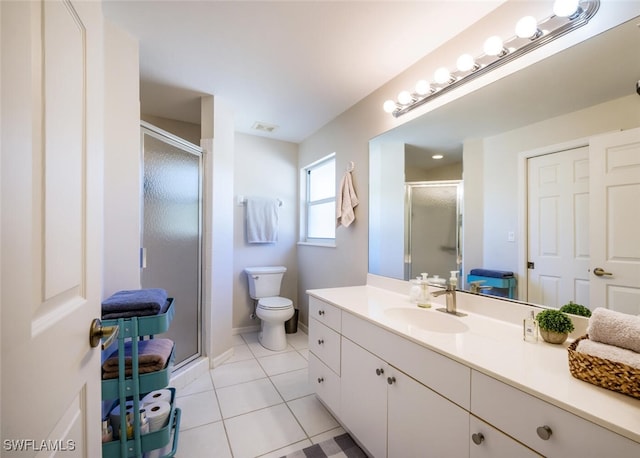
point(493, 142)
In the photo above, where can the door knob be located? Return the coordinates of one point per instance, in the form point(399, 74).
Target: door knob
point(97, 332)
point(599, 272)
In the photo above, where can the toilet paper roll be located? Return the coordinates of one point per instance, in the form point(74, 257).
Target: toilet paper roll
point(158, 414)
point(158, 395)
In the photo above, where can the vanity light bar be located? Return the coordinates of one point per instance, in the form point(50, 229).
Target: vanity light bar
point(529, 36)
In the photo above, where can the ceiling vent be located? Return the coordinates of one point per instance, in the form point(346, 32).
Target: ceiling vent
point(264, 127)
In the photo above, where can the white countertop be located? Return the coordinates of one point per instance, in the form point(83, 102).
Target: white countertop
point(496, 348)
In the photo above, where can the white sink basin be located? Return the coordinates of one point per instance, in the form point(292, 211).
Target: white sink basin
point(426, 320)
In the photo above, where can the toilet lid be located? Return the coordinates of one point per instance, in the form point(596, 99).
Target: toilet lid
point(274, 303)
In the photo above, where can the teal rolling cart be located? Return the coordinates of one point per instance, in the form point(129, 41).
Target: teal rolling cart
point(132, 388)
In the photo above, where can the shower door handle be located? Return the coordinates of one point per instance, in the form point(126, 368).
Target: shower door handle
point(143, 258)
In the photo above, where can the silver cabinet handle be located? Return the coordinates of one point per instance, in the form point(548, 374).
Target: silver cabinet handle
point(477, 438)
point(544, 432)
point(379, 371)
point(391, 380)
point(320, 379)
point(320, 341)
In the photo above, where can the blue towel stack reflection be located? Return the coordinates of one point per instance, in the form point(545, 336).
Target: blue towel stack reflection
point(137, 302)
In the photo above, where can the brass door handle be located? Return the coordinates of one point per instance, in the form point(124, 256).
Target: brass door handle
point(599, 272)
point(97, 332)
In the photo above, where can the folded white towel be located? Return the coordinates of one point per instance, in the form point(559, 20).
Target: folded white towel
point(615, 328)
point(610, 352)
point(347, 201)
point(262, 220)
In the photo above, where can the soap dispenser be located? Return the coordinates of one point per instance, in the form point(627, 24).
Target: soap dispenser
point(453, 280)
point(424, 300)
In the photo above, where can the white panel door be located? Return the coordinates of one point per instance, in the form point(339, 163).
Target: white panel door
point(51, 211)
point(615, 221)
point(558, 213)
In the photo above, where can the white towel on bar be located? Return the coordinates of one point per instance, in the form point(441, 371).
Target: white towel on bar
point(347, 201)
point(615, 328)
point(262, 220)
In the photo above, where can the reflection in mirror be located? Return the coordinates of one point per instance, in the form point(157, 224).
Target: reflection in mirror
point(567, 98)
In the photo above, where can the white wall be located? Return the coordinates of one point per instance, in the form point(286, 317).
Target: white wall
point(265, 168)
point(185, 130)
point(121, 162)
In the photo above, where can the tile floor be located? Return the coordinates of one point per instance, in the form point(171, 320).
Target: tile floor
point(258, 404)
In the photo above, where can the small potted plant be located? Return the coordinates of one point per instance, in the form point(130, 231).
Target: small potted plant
point(575, 309)
point(554, 325)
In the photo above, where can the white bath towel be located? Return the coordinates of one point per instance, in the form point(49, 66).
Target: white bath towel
point(615, 328)
point(262, 220)
point(346, 202)
point(610, 352)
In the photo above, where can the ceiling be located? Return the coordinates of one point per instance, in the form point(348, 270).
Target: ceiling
point(296, 64)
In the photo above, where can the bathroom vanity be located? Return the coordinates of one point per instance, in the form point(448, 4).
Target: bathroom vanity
point(410, 382)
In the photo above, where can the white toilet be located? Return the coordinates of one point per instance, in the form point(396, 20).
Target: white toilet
point(273, 310)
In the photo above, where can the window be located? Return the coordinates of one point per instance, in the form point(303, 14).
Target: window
point(320, 201)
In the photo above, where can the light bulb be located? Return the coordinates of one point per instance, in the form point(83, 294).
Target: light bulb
point(389, 106)
point(527, 27)
point(423, 87)
point(404, 98)
point(493, 46)
point(465, 62)
point(442, 75)
point(565, 8)
point(437, 156)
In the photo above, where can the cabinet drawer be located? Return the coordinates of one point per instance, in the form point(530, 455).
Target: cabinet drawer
point(325, 313)
point(324, 342)
point(494, 443)
point(524, 417)
point(443, 375)
point(326, 384)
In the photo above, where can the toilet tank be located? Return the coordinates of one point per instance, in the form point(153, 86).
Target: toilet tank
point(265, 281)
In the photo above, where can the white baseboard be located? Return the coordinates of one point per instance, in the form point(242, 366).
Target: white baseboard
point(245, 329)
point(187, 374)
point(218, 360)
point(303, 327)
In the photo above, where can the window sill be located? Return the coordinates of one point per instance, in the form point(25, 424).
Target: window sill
point(320, 244)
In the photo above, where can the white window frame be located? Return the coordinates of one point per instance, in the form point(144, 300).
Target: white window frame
point(305, 203)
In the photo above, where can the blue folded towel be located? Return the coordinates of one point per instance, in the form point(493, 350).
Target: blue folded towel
point(491, 273)
point(137, 302)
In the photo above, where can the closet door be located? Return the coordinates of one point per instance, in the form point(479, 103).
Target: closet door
point(171, 238)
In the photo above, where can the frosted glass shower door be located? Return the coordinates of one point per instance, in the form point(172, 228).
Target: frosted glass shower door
point(434, 223)
point(171, 237)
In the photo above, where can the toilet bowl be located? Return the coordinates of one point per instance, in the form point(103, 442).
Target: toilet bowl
point(273, 310)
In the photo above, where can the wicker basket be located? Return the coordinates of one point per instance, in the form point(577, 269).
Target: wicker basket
point(604, 373)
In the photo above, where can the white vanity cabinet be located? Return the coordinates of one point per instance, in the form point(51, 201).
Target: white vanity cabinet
point(547, 429)
point(392, 414)
point(324, 352)
point(488, 442)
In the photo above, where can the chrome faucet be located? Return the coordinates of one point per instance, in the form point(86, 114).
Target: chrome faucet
point(475, 287)
point(450, 292)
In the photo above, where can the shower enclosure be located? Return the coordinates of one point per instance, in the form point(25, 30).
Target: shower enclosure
point(171, 240)
point(433, 228)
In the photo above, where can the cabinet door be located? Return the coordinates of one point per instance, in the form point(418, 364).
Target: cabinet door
point(488, 442)
point(325, 382)
point(421, 423)
point(363, 404)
